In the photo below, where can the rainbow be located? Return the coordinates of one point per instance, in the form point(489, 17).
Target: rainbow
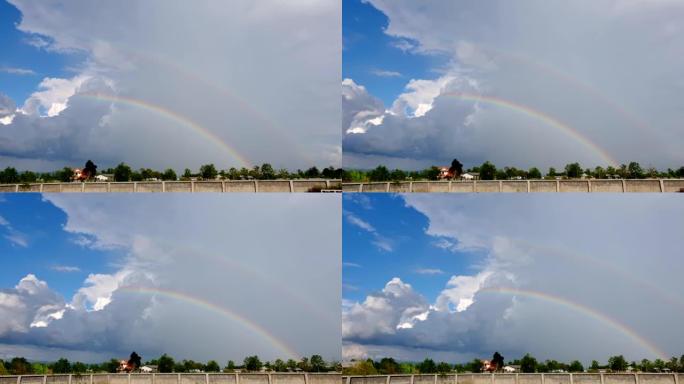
point(183, 120)
point(202, 303)
point(591, 312)
point(605, 156)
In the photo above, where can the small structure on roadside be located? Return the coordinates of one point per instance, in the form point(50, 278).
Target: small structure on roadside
point(469, 176)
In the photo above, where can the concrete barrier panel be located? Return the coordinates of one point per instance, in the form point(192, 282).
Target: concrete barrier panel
point(542, 186)
point(100, 379)
point(8, 188)
point(240, 186)
point(619, 379)
point(324, 378)
point(141, 379)
point(121, 187)
point(289, 379)
point(307, 185)
point(574, 186)
point(400, 187)
point(484, 378)
point(80, 379)
point(445, 379)
point(347, 187)
point(178, 186)
point(588, 378)
point(208, 186)
point(72, 187)
point(117, 379)
point(421, 186)
point(30, 188)
point(529, 378)
point(193, 379)
point(439, 186)
point(95, 187)
point(274, 186)
point(514, 186)
point(149, 187)
point(369, 380)
point(31, 380)
point(395, 379)
point(52, 187)
point(424, 379)
point(487, 186)
point(165, 378)
point(375, 187)
point(462, 186)
point(550, 378)
point(642, 185)
point(465, 379)
point(656, 379)
point(504, 379)
point(254, 379)
point(673, 185)
point(220, 378)
point(59, 379)
point(606, 185)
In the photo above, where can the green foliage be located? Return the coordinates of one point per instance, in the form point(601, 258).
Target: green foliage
point(617, 363)
point(365, 367)
point(575, 366)
point(534, 173)
point(444, 367)
point(475, 365)
point(381, 173)
point(230, 366)
point(3, 370)
point(427, 366)
point(165, 363)
point(312, 173)
point(252, 363)
point(208, 172)
point(528, 364)
point(317, 363)
point(9, 175)
point(169, 174)
point(212, 366)
point(573, 170)
point(487, 171)
point(122, 172)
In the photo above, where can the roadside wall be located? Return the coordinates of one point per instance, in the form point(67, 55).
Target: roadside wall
point(595, 185)
point(521, 378)
point(178, 378)
point(299, 185)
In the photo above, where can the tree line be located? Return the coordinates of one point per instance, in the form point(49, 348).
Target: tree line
point(489, 171)
point(527, 364)
point(167, 364)
point(124, 172)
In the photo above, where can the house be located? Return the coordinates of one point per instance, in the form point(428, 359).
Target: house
point(149, 369)
point(468, 176)
point(445, 173)
point(511, 368)
point(101, 178)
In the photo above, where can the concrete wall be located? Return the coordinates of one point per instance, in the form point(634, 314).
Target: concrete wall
point(178, 378)
point(180, 186)
point(521, 378)
point(645, 185)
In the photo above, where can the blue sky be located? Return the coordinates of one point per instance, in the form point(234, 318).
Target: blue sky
point(46, 249)
point(408, 253)
point(20, 56)
point(546, 275)
point(371, 57)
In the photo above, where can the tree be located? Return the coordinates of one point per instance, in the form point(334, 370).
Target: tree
point(169, 174)
point(134, 361)
point(212, 366)
point(388, 366)
point(3, 370)
point(317, 363)
point(78, 367)
point(61, 366)
point(165, 363)
point(291, 364)
point(534, 173)
point(456, 168)
point(90, 169)
point(64, 175)
point(208, 172)
point(599, 173)
point(397, 175)
point(230, 367)
point(381, 173)
point(443, 367)
point(576, 366)
point(267, 171)
point(634, 171)
point(20, 366)
point(312, 173)
point(9, 175)
point(427, 366)
point(476, 365)
point(279, 365)
point(551, 173)
point(122, 172)
point(252, 363)
point(594, 366)
point(528, 364)
point(487, 171)
point(617, 363)
point(498, 360)
point(187, 174)
point(364, 367)
point(304, 364)
point(573, 170)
